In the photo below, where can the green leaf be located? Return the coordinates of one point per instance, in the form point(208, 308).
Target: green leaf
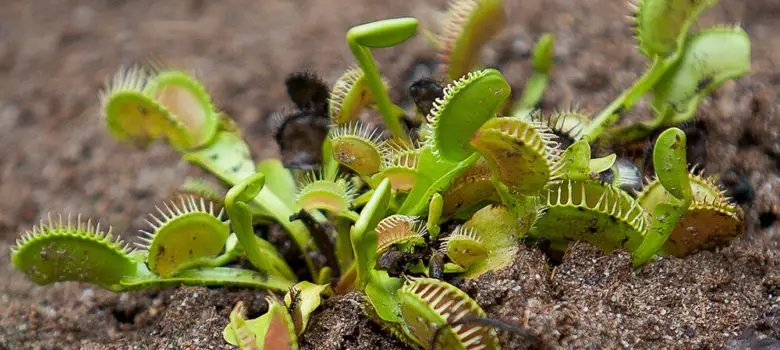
point(466, 105)
point(206, 276)
point(279, 180)
point(363, 233)
point(598, 165)
point(382, 292)
point(662, 24)
point(378, 286)
point(227, 157)
point(710, 58)
point(189, 103)
point(384, 33)
point(381, 34)
point(434, 174)
point(665, 218)
point(241, 220)
point(73, 251)
point(576, 160)
point(435, 208)
point(669, 159)
point(544, 53)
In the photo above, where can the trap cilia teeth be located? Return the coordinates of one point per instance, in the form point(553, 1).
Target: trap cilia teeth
point(428, 303)
point(402, 231)
point(400, 167)
point(592, 211)
point(711, 220)
point(359, 147)
point(183, 234)
point(524, 153)
point(73, 250)
point(487, 241)
point(350, 95)
point(468, 26)
point(567, 125)
point(139, 106)
point(316, 191)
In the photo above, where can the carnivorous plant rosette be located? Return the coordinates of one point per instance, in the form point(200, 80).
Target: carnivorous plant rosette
point(396, 212)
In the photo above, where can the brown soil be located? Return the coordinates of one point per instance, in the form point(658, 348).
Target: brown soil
point(595, 300)
point(57, 156)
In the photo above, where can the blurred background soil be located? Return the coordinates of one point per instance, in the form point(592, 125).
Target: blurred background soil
point(56, 156)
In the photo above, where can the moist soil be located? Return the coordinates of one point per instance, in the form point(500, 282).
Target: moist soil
point(56, 156)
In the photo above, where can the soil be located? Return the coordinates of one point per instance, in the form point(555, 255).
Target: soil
point(55, 155)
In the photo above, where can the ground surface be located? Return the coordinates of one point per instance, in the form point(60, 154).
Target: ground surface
point(56, 156)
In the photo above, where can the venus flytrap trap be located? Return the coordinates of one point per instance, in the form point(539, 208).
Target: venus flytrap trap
point(273, 330)
point(74, 250)
point(381, 34)
point(375, 214)
point(696, 213)
point(661, 28)
point(225, 154)
point(686, 67)
point(468, 26)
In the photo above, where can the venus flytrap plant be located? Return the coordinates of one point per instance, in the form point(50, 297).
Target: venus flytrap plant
point(167, 243)
point(273, 330)
point(350, 95)
point(429, 303)
point(282, 324)
point(378, 286)
point(380, 211)
point(488, 241)
point(662, 31)
point(710, 58)
point(381, 34)
point(358, 148)
point(454, 119)
point(670, 159)
point(133, 116)
point(692, 210)
point(400, 168)
point(183, 100)
point(524, 155)
point(260, 253)
point(74, 250)
point(468, 26)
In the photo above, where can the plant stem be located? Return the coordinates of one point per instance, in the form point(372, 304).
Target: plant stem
point(206, 276)
point(383, 103)
point(227, 145)
point(625, 101)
